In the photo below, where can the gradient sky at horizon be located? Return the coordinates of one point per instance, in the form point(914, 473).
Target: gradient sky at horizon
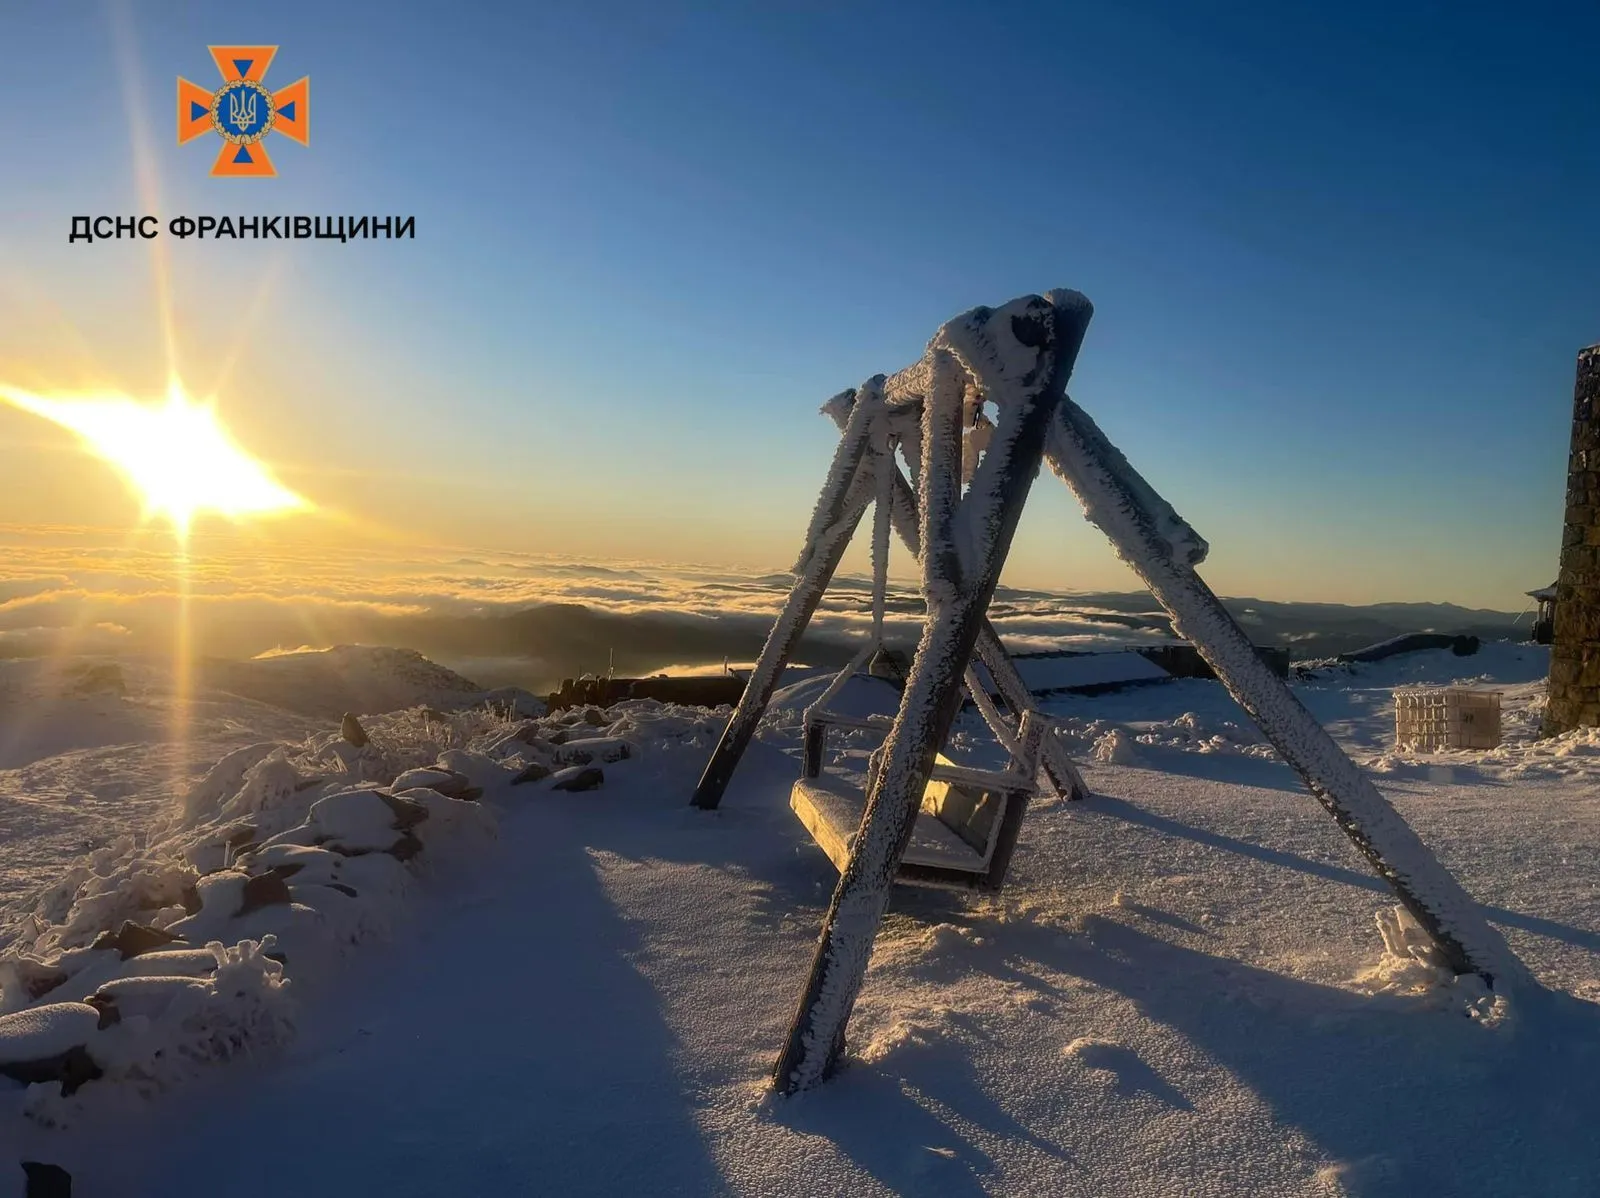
point(1341, 261)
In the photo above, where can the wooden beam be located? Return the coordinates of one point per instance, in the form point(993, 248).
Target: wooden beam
point(845, 496)
point(1150, 537)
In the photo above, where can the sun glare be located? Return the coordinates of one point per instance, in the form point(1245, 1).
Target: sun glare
point(175, 455)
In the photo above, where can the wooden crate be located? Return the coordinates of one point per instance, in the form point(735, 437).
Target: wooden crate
point(1428, 720)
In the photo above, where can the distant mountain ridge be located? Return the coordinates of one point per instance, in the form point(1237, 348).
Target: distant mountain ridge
point(537, 646)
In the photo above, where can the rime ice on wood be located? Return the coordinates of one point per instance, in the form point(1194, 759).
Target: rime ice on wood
point(844, 498)
point(1059, 773)
point(1161, 549)
point(1018, 358)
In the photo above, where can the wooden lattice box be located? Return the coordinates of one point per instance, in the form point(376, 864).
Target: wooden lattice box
point(1427, 720)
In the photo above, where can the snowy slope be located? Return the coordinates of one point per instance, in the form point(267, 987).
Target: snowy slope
point(1183, 993)
point(94, 748)
point(328, 682)
point(82, 765)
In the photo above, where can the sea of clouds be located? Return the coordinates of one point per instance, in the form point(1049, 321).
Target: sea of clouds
point(525, 619)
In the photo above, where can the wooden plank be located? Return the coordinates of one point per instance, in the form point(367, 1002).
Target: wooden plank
point(1032, 735)
point(967, 811)
point(964, 775)
point(838, 719)
point(831, 810)
point(832, 837)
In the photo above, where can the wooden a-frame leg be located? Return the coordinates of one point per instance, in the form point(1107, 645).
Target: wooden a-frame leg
point(844, 499)
point(1135, 519)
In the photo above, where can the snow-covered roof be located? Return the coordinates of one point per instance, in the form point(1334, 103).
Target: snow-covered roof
point(1044, 673)
point(1543, 594)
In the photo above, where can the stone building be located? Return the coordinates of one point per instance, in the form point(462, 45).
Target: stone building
point(1575, 653)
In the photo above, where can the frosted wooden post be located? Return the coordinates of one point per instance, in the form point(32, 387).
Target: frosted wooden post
point(964, 546)
point(1575, 649)
point(839, 509)
point(1030, 738)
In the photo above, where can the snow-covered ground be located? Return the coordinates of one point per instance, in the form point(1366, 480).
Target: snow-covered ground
point(1183, 991)
point(95, 748)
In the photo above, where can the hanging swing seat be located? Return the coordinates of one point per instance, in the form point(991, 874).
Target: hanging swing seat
point(964, 834)
point(966, 827)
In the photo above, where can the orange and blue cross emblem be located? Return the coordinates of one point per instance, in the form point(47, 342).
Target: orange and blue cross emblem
point(243, 111)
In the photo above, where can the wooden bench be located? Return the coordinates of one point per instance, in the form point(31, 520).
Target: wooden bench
point(964, 835)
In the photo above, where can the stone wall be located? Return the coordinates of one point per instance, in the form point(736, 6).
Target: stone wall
point(1575, 655)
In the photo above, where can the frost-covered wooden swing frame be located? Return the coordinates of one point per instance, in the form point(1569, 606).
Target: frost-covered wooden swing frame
point(1017, 359)
point(967, 826)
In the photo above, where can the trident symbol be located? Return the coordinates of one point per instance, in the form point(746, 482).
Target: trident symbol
point(242, 109)
point(244, 116)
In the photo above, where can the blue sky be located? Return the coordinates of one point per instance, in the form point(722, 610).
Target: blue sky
point(1341, 260)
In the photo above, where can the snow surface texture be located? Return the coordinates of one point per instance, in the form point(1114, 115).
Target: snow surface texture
point(1183, 991)
point(174, 948)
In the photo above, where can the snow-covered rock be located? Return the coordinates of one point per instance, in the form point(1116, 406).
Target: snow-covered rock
point(577, 777)
point(481, 770)
point(46, 1031)
point(1116, 747)
point(446, 782)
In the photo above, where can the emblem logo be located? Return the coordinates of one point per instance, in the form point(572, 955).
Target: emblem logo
point(242, 111)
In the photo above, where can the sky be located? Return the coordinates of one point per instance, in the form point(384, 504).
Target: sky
point(1342, 262)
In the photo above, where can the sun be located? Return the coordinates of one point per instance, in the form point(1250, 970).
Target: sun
point(175, 455)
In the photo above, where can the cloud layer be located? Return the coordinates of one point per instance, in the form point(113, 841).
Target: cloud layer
point(532, 620)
